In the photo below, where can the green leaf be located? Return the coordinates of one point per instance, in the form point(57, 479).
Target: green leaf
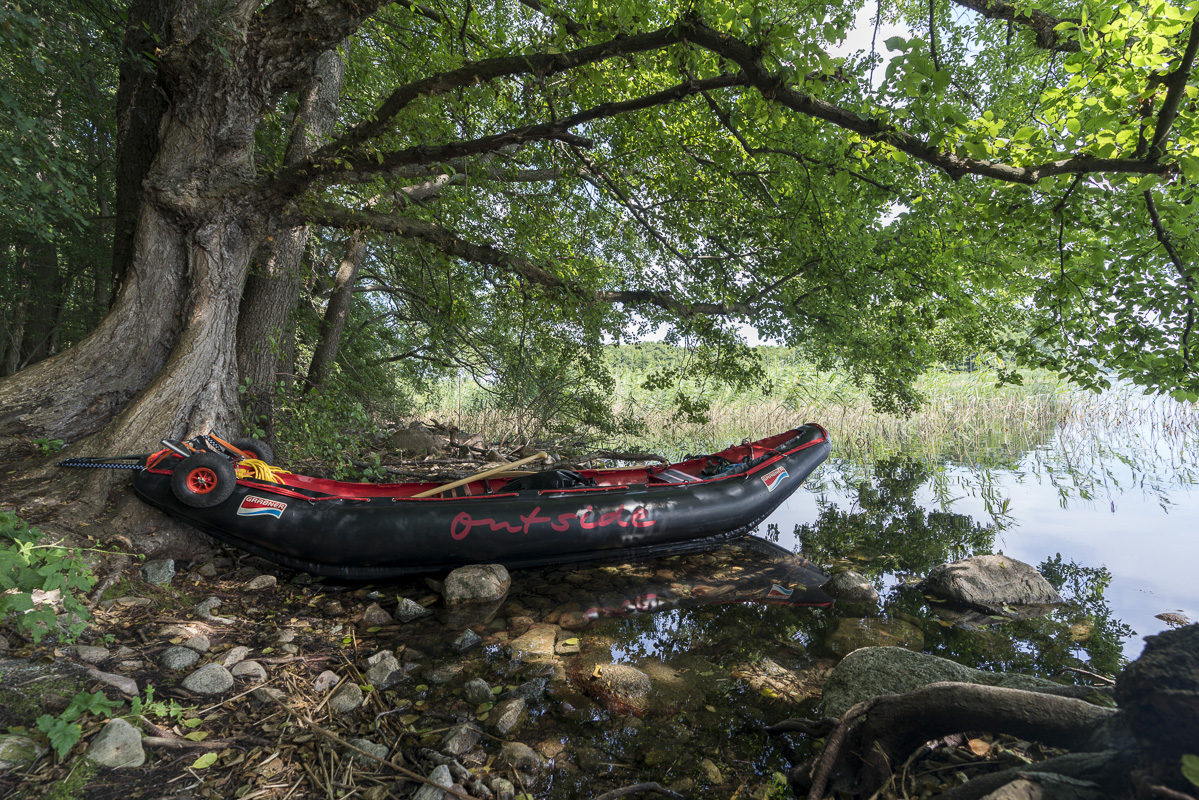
point(896, 43)
point(1190, 768)
point(1190, 168)
point(205, 761)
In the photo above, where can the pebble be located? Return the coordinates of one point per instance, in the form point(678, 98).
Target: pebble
point(531, 691)
point(710, 771)
point(269, 694)
point(200, 643)
point(122, 682)
point(502, 788)
point(251, 670)
point(347, 698)
point(477, 691)
point(117, 745)
point(159, 572)
point(374, 616)
point(520, 757)
point(466, 640)
point(409, 610)
point(374, 748)
point(444, 673)
point(325, 681)
point(460, 740)
point(209, 679)
point(262, 582)
point(441, 777)
point(508, 715)
point(92, 655)
point(384, 670)
point(284, 636)
point(235, 656)
point(177, 658)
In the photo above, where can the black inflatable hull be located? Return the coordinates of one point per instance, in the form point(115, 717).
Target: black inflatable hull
point(379, 536)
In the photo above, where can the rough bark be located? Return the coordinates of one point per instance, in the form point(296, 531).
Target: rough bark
point(273, 286)
point(44, 303)
point(334, 321)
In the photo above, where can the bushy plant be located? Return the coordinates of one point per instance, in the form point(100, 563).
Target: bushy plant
point(28, 565)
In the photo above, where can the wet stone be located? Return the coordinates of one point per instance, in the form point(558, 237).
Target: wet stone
point(710, 771)
point(502, 788)
point(460, 740)
point(851, 587)
point(466, 640)
point(209, 679)
point(409, 610)
point(854, 633)
point(159, 572)
point(535, 645)
point(477, 691)
point(117, 745)
point(573, 620)
point(347, 698)
point(508, 715)
point(520, 757)
point(531, 691)
point(249, 670)
point(443, 673)
point(177, 657)
point(384, 670)
point(477, 583)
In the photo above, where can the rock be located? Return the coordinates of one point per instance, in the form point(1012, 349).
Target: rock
point(18, 752)
point(409, 610)
point(532, 690)
point(710, 771)
point(159, 572)
point(117, 745)
point(875, 671)
point(325, 681)
point(851, 587)
point(209, 679)
point(460, 740)
point(535, 645)
point(379, 751)
point(178, 658)
point(375, 616)
point(199, 642)
point(477, 583)
point(384, 671)
point(1159, 695)
point(466, 640)
point(444, 673)
point(413, 442)
point(520, 757)
point(234, 656)
point(620, 687)
point(440, 776)
point(477, 691)
point(853, 633)
point(122, 682)
point(508, 715)
point(261, 582)
point(990, 583)
point(567, 645)
point(91, 655)
point(493, 455)
point(502, 788)
point(284, 636)
point(269, 694)
point(346, 699)
point(249, 670)
point(573, 620)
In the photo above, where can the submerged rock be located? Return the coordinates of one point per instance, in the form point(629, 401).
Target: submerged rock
point(991, 582)
point(535, 645)
point(852, 587)
point(853, 633)
point(477, 583)
point(621, 688)
point(877, 671)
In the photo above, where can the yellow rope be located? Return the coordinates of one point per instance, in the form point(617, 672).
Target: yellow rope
point(256, 468)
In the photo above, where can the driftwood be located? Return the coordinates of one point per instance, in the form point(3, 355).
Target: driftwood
point(1132, 750)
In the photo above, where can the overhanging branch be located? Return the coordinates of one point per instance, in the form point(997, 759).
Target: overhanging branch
point(1040, 23)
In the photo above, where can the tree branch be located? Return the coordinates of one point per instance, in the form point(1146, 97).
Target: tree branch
point(1177, 83)
point(292, 35)
point(1188, 280)
point(1041, 24)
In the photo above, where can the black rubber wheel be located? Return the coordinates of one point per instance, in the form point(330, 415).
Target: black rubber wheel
point(203, 480)
point(255, 448)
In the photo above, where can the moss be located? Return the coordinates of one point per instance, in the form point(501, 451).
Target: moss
point(72, 786)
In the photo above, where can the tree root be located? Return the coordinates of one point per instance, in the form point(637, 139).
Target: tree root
point(875, 735)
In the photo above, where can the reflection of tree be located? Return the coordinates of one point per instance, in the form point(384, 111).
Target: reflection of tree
point(892, 533)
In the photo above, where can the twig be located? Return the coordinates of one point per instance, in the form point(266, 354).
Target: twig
point(1165, 791)
point(638, 788)
point(832, 748)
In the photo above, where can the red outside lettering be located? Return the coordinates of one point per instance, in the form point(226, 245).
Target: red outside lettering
point(532, 517)
point(463, 523)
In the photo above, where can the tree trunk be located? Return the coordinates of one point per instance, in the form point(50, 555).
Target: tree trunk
point(334, 321)
point(273, 286)
point(44, 304)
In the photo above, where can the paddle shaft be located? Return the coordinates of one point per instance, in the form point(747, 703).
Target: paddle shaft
point(487, 473)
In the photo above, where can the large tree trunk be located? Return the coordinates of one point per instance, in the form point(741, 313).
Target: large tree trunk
point(273, 286)
point(334, 321)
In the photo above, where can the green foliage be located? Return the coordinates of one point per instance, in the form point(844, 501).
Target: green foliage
point(1190, 768)
point(327, 427)
point(27, 566)
point(47, 446)
point(64, 731)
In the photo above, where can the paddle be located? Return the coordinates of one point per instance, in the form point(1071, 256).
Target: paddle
point(487, 473)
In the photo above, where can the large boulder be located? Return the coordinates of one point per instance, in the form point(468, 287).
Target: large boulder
point(875, 671)
point(414, 442)
point(990, 583)
point(477, 583)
